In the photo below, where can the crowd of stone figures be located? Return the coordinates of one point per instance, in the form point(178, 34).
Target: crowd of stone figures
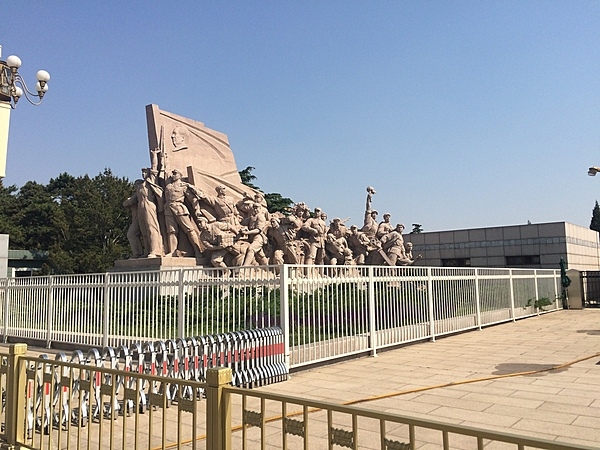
point(221, 232)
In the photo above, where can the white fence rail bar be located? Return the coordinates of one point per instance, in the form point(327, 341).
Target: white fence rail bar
point(340, 311)
point(325, 311)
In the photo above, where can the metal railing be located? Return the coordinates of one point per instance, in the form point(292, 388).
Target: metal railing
point(59, 404)
point(282, 421)
point(325, 312)
point(340, 311)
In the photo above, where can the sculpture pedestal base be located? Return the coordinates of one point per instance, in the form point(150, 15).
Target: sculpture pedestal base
point(163, 263)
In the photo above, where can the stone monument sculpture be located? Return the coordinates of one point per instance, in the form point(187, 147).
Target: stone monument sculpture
point(191, 208)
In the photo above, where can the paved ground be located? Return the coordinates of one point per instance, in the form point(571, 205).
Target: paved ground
point(559, 404)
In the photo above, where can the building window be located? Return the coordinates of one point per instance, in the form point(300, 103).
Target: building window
point(456, 262)
point(523, 260)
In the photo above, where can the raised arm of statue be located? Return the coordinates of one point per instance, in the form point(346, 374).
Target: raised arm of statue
point(370, 193)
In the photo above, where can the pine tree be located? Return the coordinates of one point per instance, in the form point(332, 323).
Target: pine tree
point(595, 223)
point(417, 228)
point(275, 201)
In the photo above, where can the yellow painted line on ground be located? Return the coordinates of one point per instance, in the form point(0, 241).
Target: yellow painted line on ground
point(408, 391)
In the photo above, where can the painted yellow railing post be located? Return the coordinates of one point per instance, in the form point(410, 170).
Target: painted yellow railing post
point(218, 409)
point(15, 395)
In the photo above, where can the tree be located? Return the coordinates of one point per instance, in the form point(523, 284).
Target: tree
point(417, 228)
point(247, 177)
point(80, 221)
point(595, 223)
point(9, 209)
point(92, 222)
point(37, 217)
point(275, 202)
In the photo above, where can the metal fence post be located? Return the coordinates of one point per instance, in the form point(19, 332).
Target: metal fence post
point(512, 295)
point(477, 299)
point(6, 306)
point(537, 293)
point(284, 311)
point(50, 311)
point(430, 302)
point(556, 281)
point(372, 325)
point(218, 409)
point(181, 309)
point(105, 321)
point(15, 395)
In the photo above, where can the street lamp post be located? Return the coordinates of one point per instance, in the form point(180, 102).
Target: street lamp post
point(12, 88)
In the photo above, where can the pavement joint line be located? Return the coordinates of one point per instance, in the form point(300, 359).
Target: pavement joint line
point(409, 391)
point(474, 380)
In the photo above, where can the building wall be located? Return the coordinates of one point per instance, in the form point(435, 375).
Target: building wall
point(533, 246)
point(583, 248)
point(3, 255)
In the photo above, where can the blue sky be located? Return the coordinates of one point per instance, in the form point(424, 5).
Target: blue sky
point(460, 113)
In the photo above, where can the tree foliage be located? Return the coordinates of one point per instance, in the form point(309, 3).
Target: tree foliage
point(80, 221)
point(275, 201)
point(417, 228)
point(247, 177)
point(595, 223)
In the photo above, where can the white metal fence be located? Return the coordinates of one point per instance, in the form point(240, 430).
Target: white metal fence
point(325, 311)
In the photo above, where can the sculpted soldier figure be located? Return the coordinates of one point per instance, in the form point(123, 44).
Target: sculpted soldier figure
point(223, 206)
point(408, 259)
point(134, 233)
point(256, 227)
point(315, 227)
point(283, 241)
point(146, 203)
point(393, 245)
point(359, 243)
point(296, 219)
point(337, 250)
point(384, 227)
point(177, 214)
point(245, 206)
point(370, 224)
point(218, 240)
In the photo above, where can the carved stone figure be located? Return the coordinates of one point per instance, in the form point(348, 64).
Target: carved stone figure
point(338, 252)
point(219, 240)
point(408, 259)
point(178, 137)
point(359, 243)
point(283, 238)
point(134, 233)
point(256, 227)
point(222, 207)
point(370, 224)
point(146, 204)
point(393, 245)
point(315, 228)
point(177, 214)
point(384, 227)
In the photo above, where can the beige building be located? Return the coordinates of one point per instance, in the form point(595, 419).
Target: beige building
point(531, 246)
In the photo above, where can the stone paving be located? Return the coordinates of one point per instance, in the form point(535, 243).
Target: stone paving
point(467, 379)
point(561, 404)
